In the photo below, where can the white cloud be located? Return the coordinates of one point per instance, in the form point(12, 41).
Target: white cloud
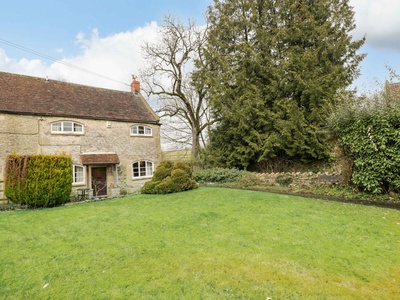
point(379, 21)
point(114, 57)
point(80, 36)
point(34, 67)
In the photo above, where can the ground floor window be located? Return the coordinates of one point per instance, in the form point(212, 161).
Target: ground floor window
point(78, 176)
point(142, 168)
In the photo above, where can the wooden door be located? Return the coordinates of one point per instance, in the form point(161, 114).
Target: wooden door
point(99, 181)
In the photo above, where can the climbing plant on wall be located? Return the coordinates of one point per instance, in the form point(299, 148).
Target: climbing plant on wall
point(369, 132)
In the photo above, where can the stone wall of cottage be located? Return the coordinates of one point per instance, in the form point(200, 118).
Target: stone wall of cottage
point(17, 134)
point(30, 135)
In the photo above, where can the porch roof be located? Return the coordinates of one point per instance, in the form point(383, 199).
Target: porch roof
point(99, 159)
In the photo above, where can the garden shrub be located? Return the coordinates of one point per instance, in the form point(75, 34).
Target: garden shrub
point(182, 180)
point(149, 187)
point(284, 180)
point(183, 166)
point(248, 179)
point(123, 192)
point(163, 170)
point(170, 178)
point(38, 180)
point(217, 175)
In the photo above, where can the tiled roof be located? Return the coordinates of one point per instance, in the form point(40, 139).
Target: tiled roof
point(99, 159)
point(37, 96)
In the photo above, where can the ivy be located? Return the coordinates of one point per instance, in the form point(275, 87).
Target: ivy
point(371, 137)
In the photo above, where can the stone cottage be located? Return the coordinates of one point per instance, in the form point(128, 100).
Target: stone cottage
point(112, 136)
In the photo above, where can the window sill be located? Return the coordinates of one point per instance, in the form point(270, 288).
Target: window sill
point(141, 178)
point(67, 133)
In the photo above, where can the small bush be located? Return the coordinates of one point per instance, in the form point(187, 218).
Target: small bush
point(217, 175)
point(182, 180)
point(249, 179)
point(183, 166)
point(164, 187)
point(149, 187)
point(170, 178)
point(161, 173)
point(284, 180)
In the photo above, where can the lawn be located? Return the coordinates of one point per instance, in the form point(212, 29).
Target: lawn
point(208, 243)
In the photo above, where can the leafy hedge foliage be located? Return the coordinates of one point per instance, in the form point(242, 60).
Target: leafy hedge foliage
point(284, 180)
point(170, 178)
point(217, 175)
point(38, 180)
point(371, 137)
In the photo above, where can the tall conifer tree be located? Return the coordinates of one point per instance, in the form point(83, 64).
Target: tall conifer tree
point(273, 69)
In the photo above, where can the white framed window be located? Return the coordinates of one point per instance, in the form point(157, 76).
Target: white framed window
point(66, 127)
point(143, 168)
point(141, 130)
point(78, 174)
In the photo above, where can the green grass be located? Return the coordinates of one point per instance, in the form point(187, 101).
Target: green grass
point(208, 243)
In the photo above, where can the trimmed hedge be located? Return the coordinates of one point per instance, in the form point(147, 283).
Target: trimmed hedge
point(170, 178)
point(38, 180)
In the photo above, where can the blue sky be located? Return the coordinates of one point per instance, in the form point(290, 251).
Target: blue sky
point(47, 25)
point(105, 36)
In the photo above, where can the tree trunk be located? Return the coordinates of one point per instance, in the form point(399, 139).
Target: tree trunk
point(195, 148)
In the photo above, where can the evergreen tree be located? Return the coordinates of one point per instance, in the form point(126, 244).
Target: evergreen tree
point(273, 68)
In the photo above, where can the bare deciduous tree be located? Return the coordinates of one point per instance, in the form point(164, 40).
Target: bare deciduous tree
point(173, 76)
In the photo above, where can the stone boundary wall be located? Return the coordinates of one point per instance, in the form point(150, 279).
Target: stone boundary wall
point(302, 179)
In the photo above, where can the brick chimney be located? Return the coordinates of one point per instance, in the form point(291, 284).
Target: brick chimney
point(135, 85)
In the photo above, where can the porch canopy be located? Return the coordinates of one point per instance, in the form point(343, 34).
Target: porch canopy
point(100, 159)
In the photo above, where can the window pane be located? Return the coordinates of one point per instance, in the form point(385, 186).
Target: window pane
point(135, 169)
point(56, 127)
point(141, 130)
point(142, 168)
point(67, 126)
point(149, 168)
point(78, 174)
point(78, 127)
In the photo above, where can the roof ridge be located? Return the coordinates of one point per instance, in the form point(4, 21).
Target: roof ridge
point(64, 82)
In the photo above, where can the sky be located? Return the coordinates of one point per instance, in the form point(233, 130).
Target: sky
point(104, 37)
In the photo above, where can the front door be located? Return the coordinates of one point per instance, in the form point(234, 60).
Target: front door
point(99, 181)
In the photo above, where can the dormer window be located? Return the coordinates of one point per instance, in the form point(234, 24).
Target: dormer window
point(66, 127)
point(141, 130)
